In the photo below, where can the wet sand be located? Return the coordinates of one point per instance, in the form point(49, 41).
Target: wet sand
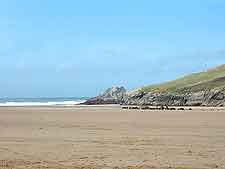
point(109, 137)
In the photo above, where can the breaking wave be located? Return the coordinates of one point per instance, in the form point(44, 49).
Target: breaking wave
point(41, 103)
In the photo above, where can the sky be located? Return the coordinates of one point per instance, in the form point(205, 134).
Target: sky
point(71, 48)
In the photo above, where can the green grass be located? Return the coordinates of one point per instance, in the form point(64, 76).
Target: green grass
point(196, 81)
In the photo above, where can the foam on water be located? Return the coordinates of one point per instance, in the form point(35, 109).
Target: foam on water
point(40, 103)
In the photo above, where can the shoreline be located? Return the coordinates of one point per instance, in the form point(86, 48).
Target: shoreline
point(116, 106)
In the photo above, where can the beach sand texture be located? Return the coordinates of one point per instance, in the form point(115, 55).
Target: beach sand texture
point(109, 137)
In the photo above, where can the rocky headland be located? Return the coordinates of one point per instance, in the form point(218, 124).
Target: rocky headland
point(199, 89)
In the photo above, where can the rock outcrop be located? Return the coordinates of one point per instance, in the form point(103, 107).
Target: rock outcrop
point(112, 95)
point(118, 95)
point(213, 98)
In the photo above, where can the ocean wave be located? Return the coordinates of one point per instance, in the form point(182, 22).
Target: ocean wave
point(50, 103)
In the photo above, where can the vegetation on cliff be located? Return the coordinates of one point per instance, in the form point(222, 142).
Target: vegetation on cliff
point(211, 79)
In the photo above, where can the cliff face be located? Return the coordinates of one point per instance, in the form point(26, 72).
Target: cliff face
point(118, 95)
point(201, 98)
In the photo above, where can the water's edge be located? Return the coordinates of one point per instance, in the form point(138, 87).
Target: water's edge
point(6, 102)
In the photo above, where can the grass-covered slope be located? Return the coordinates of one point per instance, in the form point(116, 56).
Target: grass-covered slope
point(211, 79)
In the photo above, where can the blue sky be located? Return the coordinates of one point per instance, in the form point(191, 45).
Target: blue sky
point(53, 48)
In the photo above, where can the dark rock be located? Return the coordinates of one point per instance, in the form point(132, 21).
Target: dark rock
point(145, 108)
point(134, 107)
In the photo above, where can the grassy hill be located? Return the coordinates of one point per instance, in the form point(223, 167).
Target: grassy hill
point(211, 79)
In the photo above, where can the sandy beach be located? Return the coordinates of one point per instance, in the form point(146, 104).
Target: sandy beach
point(109, 137)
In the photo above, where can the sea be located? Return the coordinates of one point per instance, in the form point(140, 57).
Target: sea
point(16, 102)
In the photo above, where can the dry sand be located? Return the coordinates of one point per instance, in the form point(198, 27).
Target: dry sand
point(109, 137)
